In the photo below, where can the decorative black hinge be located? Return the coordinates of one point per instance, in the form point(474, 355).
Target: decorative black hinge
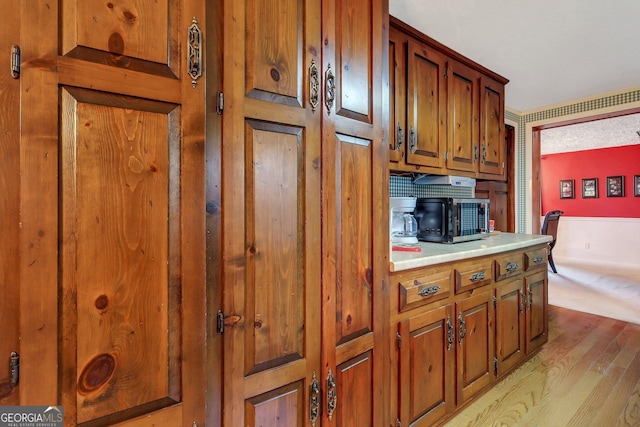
point(15, 61)
point(398, 341)
point(495, 302)
point(446, 73)
point(495, 364)
point(14, 368)
point(219, 103)
point(222, 321)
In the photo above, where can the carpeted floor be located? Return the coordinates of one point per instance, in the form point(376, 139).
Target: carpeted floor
point(605, 291)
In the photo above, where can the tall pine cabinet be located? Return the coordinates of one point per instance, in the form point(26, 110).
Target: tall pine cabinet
point(107, 210)
point(303, 220)
point(196, 212)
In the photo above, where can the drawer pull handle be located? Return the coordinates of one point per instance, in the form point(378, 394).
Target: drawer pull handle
point(462, 329)
point(538, 260)
point(329, 90)
point(332, 397)
point(512, 266)
point(413, 140)
point(399, 137)
point(477, 276)
point(314, 87)
point(194, 55)
point(314, 401)
point(429, 290)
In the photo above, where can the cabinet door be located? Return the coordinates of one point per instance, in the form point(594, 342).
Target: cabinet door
point(112, 264)
point(498, 194)
point(9, 204)
point(536, 321)
point(462, 121)
point(493, 146)
point(271, 211)
point(355, 216)
point(510, 331)
point(426, 106)
point(475, 353)
point(397, 97)
point(426, 367)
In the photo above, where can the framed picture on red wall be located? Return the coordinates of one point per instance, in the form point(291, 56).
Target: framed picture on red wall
point(615, 186)
point(636, 186)
point(590, 188)
point(567, 187)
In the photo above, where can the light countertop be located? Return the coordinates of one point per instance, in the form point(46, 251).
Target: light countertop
point(438, 253)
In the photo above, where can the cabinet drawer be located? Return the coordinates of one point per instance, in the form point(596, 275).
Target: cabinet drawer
point(423, 287)
point(472, 274)
point(509, 266)
point(535, 258)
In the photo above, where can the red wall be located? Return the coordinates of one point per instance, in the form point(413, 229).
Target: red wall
point(600, 164)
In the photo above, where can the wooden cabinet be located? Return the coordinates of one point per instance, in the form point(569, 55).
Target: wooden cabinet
point(536, 317)
point(302, 142)
point(270, 249)
point(354, 216)
point(469, 322)
point(447, 112)
point(463, 92)
point(475, 352)
point(510, 324)
point(9, 205)
point(522, 302)
point(111, 274)
point(397, 125)
point(418, 287)
point(498, 194)
point(166, 272)
point(426, 106)
point(473, 273)
point(426, 366)
point(493, 148)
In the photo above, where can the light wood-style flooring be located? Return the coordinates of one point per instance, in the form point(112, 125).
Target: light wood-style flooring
point(588, 374)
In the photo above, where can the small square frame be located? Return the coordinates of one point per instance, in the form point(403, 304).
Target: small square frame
point(615, 186)
point(636, 185)
point(590, 188)
point(567, 188)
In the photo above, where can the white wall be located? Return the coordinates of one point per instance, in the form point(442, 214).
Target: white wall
point(609, 242)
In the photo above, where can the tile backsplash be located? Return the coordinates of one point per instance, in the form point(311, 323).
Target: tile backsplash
point(403, 186)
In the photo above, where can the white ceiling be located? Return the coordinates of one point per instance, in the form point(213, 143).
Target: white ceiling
point(552, 51)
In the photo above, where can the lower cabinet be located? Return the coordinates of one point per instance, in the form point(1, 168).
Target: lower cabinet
point(510, 324)
point(536, 316)
point(454, 344)
point(426, 369)
point(475, 352)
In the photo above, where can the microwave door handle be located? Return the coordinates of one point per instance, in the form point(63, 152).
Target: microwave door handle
point(485, 216)
point(444, 232)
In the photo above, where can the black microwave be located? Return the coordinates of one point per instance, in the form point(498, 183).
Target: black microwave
point(451, 220)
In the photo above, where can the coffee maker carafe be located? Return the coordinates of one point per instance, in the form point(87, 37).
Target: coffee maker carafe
point(402, 223)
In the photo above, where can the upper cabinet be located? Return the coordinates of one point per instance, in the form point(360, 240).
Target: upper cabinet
point(446, 111)
point(426, 106)
point(493, 147)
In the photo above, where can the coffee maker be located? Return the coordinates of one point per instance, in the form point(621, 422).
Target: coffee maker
point(402, 224)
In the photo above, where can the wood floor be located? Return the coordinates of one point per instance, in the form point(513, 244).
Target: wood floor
point(588, 374)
